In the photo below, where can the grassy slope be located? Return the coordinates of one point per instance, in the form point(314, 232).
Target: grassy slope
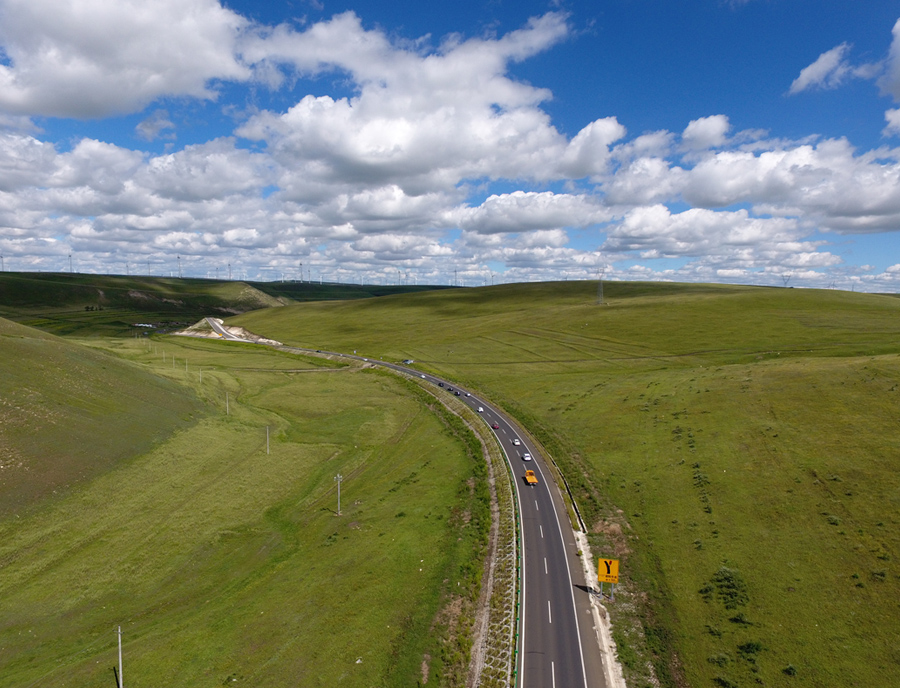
point(222, 562)
point(59, 302)
point(731, 426)
point(313, 291)
point(68, 414)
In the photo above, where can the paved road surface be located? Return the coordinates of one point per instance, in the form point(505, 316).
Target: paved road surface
point(558, 647)
point(222, 332)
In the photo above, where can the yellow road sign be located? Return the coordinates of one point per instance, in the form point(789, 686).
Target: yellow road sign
point(608, 571)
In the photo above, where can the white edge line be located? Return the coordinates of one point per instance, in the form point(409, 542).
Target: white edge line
point(521, 673)
point(571, 592)
point(520, 678)
point(521, 544)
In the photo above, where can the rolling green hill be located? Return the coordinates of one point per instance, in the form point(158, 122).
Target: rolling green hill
point(81, 304)
point(69, 414)
point(184, 490)
point(736, 447)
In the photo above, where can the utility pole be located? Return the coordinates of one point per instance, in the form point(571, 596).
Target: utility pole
point(301, 272)
point(70, 263)
point(121, 680)
point(338, 478)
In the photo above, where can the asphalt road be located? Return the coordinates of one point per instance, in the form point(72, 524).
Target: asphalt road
point(558, 648)
point(222, 332)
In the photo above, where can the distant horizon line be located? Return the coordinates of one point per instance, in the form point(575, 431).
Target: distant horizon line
point(322, 281)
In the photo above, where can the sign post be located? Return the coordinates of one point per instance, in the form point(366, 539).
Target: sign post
point(608, 572)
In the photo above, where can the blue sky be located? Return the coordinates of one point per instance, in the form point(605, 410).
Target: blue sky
point(748, 141)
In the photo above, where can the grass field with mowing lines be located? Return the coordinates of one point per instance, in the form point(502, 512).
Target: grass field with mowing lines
point(225, 565)
point(736, 447)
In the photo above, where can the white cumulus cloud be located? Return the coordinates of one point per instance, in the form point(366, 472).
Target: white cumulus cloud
point(828, 71)
point(523, 211)
point(706, 132)
point(93, 58)
point(718, 236)
point(427, 156)
point(890, 80)
point(892, 117)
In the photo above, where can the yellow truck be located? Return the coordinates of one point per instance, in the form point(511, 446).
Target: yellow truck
point(531, 478)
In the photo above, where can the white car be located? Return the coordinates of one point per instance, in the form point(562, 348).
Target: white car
point(526, 456)
point(516, 441)
point(480, 409)
point(422, 376)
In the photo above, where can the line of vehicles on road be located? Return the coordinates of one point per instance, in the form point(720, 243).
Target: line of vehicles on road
point(530, 476)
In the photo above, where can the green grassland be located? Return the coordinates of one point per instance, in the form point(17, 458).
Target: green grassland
point(109, 305)
point(225, 564)
point(68, 414)
point(735, 447)
point(318, 291)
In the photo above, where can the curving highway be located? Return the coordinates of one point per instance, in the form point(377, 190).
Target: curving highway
point(219, 329)
point(557, 641)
